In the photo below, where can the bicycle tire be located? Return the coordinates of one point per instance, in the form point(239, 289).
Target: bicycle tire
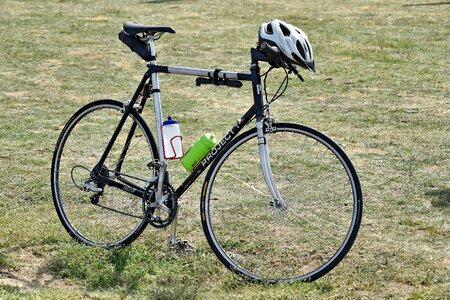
point(303, 242)
point(78, 149)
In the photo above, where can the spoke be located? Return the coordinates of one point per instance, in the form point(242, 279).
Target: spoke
point(118, 211)
point(246, 184)
point(312, 224)
point(130, 150)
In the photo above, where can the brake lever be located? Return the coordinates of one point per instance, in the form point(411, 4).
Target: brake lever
point(292, 69)
point(300, 77)
point(273, 53)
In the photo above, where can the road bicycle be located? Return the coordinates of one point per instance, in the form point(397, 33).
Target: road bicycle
point(281, 202)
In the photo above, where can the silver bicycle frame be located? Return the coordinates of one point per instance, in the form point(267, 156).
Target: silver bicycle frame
point(159, 120)
point(158, 107)
point(265, 165)
point(262, 144)
point(202, 72)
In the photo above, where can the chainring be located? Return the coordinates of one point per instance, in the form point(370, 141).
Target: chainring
point(160, 217)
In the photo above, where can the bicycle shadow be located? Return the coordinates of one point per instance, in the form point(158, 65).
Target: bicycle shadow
point(427, 4)
point(158, 1)
point(33, 273)
point(442, 197)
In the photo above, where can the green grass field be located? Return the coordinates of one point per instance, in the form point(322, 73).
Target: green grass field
point(382, 91)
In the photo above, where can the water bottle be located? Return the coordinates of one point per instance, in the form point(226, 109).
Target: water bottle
point(201, 147)
point(172, 139)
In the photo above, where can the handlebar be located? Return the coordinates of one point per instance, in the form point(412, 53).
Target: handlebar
point(271, 52)
point(228, 82)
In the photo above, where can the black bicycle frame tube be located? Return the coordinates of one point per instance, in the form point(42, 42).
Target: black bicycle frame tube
point(128, 187)
point(127, 111)
point(206, 161)
point(255, 110)
point(145, 96)
point(256, 81)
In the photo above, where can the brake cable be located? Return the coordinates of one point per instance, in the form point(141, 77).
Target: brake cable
point(277, 94)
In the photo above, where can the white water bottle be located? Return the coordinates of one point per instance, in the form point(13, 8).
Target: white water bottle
point(172, 139)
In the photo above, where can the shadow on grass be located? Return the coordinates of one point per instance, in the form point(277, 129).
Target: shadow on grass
point(159, 1)
point(95, 267)
point(3, 261)
point(11, 290)
point(427, 4)
point(442, 197)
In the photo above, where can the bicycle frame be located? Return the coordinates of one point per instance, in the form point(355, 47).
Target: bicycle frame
point(151, 78)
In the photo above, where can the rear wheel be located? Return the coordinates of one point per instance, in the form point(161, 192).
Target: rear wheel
point(303, 241)
point(93, 213)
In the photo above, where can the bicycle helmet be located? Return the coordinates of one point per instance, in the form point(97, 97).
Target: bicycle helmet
point(290, 40)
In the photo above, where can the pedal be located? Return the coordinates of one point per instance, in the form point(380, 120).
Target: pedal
point(182, 246)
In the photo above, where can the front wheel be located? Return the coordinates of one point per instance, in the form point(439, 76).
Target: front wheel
point(299, 242)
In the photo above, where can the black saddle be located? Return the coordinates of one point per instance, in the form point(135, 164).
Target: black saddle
point(133, 28)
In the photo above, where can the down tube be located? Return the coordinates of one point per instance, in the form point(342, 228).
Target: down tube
point(209, 158)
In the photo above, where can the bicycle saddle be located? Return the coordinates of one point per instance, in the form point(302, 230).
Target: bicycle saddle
point(133, 28)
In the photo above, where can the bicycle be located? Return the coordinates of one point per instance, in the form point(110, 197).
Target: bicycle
point(291, 215)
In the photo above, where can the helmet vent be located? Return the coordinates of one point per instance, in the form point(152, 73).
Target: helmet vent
point(309, 49)
point(269, 28)
point(285, 31)
point(300, 49)
point(298, 60)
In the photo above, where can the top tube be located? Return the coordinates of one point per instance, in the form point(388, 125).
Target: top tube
point(191, 71)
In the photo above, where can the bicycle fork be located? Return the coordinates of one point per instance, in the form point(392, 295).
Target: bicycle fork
point(263, 148)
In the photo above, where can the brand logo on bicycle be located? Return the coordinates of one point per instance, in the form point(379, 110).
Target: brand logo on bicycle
point(258, 89)
point(129, 189)
point(219, 146)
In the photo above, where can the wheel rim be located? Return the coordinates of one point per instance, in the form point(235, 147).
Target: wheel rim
point(302, 242)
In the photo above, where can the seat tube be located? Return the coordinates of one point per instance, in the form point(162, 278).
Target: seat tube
point(158, 121)
point(156, 94)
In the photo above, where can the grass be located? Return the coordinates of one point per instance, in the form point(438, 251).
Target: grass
point(381, 91)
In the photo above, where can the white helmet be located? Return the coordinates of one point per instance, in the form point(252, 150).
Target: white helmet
point(291, 41)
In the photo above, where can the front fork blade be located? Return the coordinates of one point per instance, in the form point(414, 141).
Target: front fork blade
point(265, 165)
